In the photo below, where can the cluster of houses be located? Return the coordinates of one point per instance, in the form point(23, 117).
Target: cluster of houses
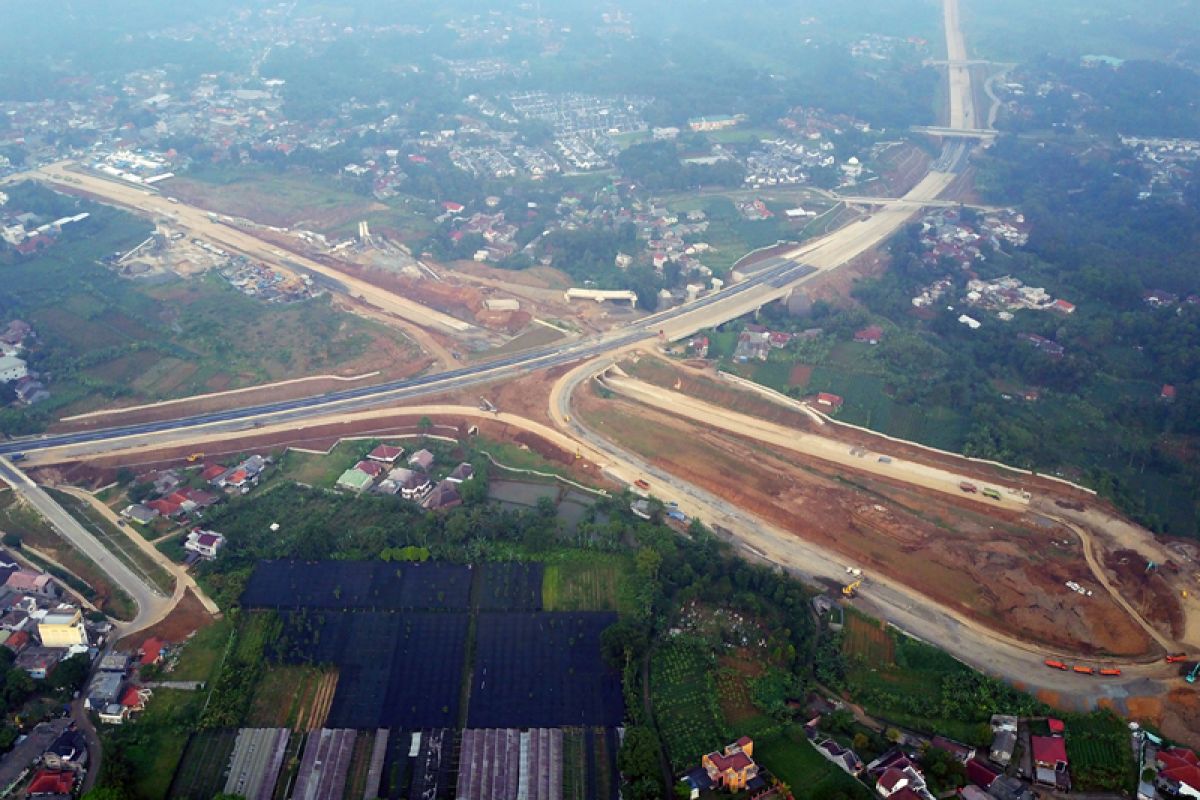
point(898, 774)
point(947, 235)
point(26, 232)
point(1160, 298)
point(13, 369)
point(1007, 294)
point(51, 762)
point(1170, 163)
point(755, 343)
point(37, 625)
point(1165, 772)
point(172, 499)
point(112, 692)
point(379, 473)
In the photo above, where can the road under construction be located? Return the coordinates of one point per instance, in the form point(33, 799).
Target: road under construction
point(1001, 653)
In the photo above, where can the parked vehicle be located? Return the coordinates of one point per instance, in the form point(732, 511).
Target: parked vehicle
point(1050, 662)
point(991, 493)
point(968, 487)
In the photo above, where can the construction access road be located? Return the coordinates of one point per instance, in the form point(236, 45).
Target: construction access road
point(824, 448)
point(995, 652)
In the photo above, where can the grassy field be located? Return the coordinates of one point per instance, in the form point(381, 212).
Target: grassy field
point(200, 657)
point(155, 757)
point(317, 469)
point(116, 542)
point(201, 772)
point(883, 678)
point(683, 696)
point(533, 336)
point(288, 696)
point(294, 198)
point(790, 757)
point(576, 580)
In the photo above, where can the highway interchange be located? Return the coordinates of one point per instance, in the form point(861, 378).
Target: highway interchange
point(774, 279)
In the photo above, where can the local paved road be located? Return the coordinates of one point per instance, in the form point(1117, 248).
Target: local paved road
point(150, 602)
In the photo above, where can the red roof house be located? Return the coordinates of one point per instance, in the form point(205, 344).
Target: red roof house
point(152, 651)
point(872, 334)
point(48, 781)
point(1056, 725)
point(385, 453)
point(1179, 770)
point(166, 508)
point(1167, 393)
point(981, 774)
point(372, 468)
point(135, 698)
point(833, 401)
point(212, 472)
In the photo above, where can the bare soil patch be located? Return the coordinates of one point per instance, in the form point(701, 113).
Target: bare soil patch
point(188, 616)
point(992, 567)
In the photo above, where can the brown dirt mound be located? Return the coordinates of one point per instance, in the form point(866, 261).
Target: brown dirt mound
point(186, 618)
point(1146, 590)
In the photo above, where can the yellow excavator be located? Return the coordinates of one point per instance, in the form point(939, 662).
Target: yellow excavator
point(851, 589)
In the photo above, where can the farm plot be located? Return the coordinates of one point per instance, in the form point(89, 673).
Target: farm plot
point(1098, 748)
point(511, 586)
point(683, 695)
point(201, 772)
point(867, 639)
point(344, 585)
point(396, 670)
point(290, 696)
point(586, 582)
point(540, 669)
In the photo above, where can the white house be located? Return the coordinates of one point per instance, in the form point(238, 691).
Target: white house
point(12, 369)
point(205, 544)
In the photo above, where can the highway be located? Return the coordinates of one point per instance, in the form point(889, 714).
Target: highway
point(994, 652)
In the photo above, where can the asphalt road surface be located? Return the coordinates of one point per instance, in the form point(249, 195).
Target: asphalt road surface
point(150, 602)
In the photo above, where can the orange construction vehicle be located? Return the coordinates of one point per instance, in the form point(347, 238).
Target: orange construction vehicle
point(1084, 670)
point(1050, 662)
point(1175, 658)
point(1111, 672)
point(194, 457)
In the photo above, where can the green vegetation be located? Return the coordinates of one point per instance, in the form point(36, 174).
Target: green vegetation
point(579, 580)
point(201, 773)
point(923, 688)
point(684, 698)
point(1098, 749)
point(790, 757)
point(141, 756)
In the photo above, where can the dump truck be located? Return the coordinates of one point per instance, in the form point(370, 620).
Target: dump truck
point(968, 487)
point(1053, 664)
point(1175, 658)
point(1083, 670)
point(991, 493)
point(1110, 672)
